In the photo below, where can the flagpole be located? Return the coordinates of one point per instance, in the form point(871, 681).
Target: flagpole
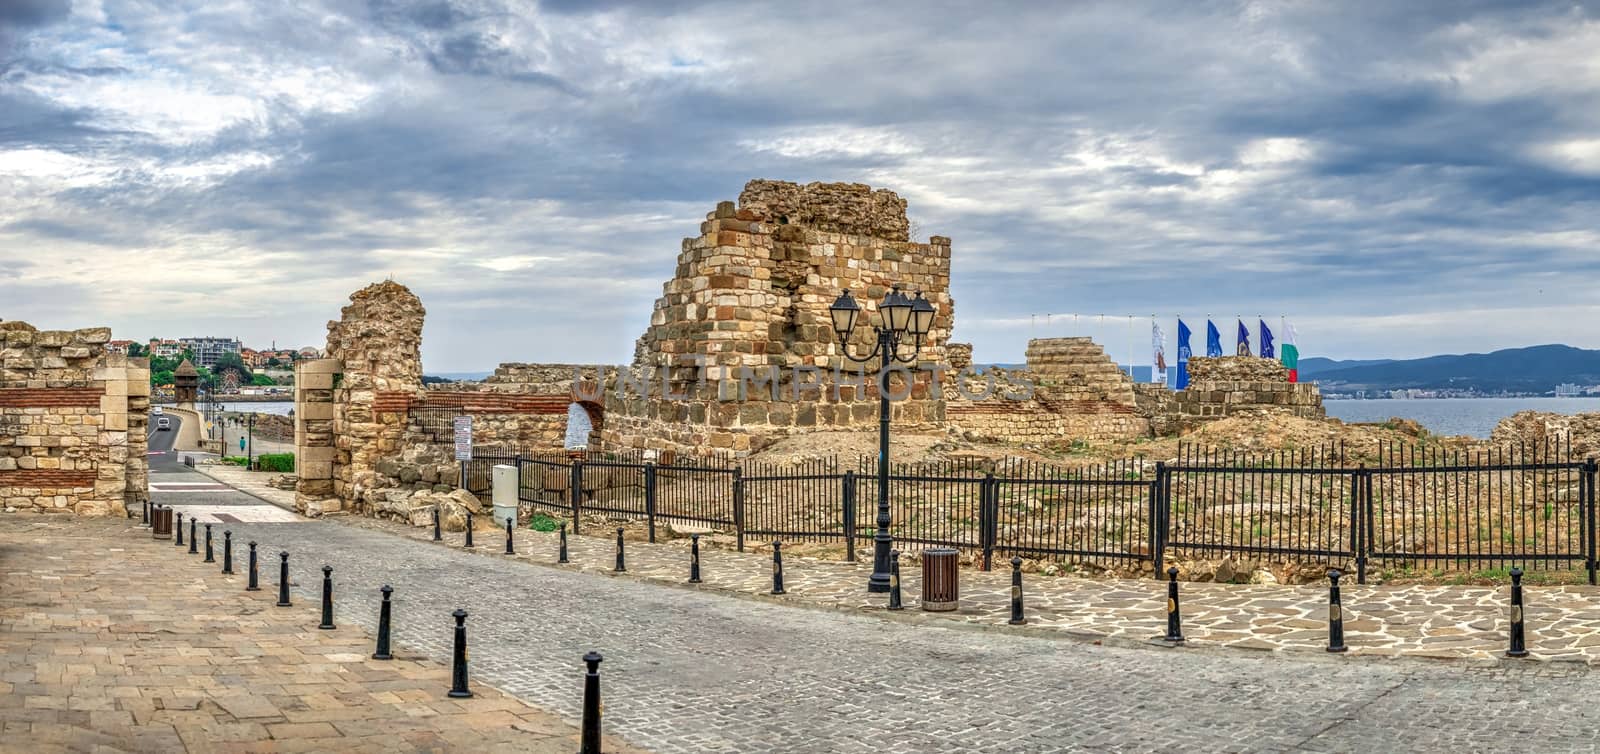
point(1130, 347)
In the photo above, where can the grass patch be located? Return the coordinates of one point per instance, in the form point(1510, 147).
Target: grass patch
point(543, 522)
point(280, 462)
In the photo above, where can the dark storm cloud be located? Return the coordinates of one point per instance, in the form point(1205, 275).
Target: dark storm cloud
point(506, 158)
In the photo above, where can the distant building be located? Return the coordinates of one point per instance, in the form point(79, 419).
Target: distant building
point(310, 353)
point(165, 348)
point(118, 346)
point(208, 350)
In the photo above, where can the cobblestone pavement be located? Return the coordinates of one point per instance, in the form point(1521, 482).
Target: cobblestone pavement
point(697, 670)
point(112, 641)
point(1440, 622)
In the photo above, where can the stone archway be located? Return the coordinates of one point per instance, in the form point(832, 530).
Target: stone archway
point(584, 418)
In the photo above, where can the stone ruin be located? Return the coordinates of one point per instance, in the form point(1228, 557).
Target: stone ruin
point(751, 293)
point(1079, 394)
point(73, 423)
point(748, 302)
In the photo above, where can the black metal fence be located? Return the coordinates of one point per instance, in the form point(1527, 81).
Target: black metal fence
point(1418, 507)
point(438, 423)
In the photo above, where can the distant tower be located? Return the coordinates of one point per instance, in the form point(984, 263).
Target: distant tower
point(186, 384)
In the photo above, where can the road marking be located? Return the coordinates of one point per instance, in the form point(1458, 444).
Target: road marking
point(187, 487)
point(233, 514)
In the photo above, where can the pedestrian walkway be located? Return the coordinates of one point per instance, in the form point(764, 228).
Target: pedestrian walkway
point(112, 641)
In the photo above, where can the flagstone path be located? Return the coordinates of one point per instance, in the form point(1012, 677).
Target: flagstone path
point(110, 641)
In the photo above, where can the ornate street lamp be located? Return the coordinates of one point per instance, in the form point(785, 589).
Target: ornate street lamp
point(898, 316)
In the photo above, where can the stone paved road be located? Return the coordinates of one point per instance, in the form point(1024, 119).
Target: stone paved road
point(694, 672)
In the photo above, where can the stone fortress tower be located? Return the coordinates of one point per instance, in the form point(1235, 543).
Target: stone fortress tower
point(751, 292)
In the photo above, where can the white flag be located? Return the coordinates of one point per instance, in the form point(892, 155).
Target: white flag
point(1158, 345)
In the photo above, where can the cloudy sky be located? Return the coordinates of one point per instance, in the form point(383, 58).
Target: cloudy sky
point(1399, 179)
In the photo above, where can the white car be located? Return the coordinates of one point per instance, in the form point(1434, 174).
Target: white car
point(155, 410)
point(163, 424)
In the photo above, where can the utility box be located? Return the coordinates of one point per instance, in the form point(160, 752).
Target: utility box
point(504, 486)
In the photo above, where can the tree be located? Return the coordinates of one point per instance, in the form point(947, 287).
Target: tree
point(137, 349)
point(231, 359)
point(273, 362)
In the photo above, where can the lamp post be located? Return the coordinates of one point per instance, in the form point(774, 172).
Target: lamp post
point(899, 316)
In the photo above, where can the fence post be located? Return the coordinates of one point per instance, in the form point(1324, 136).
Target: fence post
point(988, 512)
point(1360, 510)
point(850, 515)
point(1158, 519)
point(650, 498)
point(738, 506)
point(1589, 468)
point(577, 491)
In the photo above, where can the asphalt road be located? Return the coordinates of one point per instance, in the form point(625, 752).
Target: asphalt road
point(162, 456)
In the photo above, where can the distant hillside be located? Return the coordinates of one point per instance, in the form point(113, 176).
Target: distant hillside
point(1536, 369)
point(1318, 365)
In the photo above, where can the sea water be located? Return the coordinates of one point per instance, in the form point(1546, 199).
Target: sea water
point(1474, 417)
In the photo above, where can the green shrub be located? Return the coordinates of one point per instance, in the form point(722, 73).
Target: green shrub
point(542, 522)
point(236, 460)
point(281, 462)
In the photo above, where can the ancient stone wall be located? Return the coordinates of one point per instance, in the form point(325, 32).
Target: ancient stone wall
point(750, 296)
point(1074, 393)
point(73, 420)
point(1227, 386)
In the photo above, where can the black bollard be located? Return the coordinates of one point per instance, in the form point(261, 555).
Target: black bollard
point(194, 541)
point(458, 670)
point(510, 550)
point(383, 626)
point(589, 743)
point(1519, 646)
point(209, 557)
point(561, 557)
point(178, 540)
point(1017, 618)
point(694, 558)
point(144, 518)
point(621, 564)
point(436, 535)
point(283, 579)
point(894, 581)
point(227, 551)
point(469, 530)
point(1174, 622)
point(777, 568)
point(1335, 614)
point(253, 586)
point(327, 599)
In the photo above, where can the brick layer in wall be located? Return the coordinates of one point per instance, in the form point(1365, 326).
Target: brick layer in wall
point(488, 403)
point(39, 478)
point(50, 397)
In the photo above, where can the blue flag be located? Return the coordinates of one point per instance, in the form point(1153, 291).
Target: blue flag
point(1213, 340)
point(1243, 345)
point(1266, 342)
point(1183, 356)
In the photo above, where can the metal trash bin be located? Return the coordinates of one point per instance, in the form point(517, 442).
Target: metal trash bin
point(941, 569)
point(160, 522)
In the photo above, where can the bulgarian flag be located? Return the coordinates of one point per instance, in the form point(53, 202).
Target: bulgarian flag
point(1289, 352)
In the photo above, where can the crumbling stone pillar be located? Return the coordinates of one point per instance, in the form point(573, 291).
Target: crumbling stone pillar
point(378, 343)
